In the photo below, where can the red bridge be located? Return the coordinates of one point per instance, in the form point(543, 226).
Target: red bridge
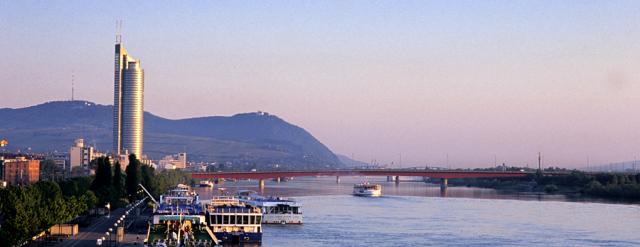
point(369, 172)
point(442, 174)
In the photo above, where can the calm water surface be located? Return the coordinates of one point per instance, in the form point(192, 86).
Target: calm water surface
point(417, 214)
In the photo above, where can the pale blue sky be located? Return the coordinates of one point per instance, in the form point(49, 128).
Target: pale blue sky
point(372, 79)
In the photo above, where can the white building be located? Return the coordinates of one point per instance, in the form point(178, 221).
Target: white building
point(81, 155)
point(169, 162)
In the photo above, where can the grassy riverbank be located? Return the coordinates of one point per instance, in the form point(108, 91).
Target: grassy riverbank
point(604, 185)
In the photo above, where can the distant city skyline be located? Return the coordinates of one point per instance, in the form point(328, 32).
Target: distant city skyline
point(471, 83)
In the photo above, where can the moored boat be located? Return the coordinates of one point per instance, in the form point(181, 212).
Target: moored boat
point(166, 230)
point(180, 199)
point(234, 222)
point(179, 220)
point(275, 210)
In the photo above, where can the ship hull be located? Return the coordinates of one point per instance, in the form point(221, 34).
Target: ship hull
point(368, 193)
point(233, 238)
point(282, 219)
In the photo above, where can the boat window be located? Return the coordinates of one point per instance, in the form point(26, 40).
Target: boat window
point(245, 219)
point(258, 219)
point(295, 210)
point(219, 219)
point(233, 220)
point(252, 219)
point(225, 219)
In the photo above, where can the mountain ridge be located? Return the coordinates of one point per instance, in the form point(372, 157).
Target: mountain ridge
point(252, 139)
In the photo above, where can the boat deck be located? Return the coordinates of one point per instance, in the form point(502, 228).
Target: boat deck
point(159, 235)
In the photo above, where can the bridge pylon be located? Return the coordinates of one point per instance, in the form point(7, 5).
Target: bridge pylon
point(444, 183)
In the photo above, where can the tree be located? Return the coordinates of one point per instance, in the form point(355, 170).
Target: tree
point(103, 175)
point(89, 199)
point(148, 180)
point(29, 210)
point(117, 181)
point(48, 170)
point(133, 177)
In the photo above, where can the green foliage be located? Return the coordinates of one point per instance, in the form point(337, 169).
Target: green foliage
point(28, 210)
point(607, 185)
point(148, 180)
point(169, 178)
point(103, 174)
point(49, 171)
point(134, 177)
point(89, 199)
point(550, 188)
point(103, 185)
point(118, 186)
point(614, 186)
point(31, 209)
point(75, 186)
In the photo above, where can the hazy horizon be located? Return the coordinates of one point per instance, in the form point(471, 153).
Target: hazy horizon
point(371, 80)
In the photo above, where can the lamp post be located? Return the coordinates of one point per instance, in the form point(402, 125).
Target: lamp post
point(126, 214)
point(108, 206)
point(109, 235)
point(124, 225)
point(115, 237)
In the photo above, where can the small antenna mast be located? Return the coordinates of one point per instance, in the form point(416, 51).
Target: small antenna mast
point(118, 31)
point(539, 162)
point(72, 85)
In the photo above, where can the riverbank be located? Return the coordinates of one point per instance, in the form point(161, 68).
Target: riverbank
point(617, 187)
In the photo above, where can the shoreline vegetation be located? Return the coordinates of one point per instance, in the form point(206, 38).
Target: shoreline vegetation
point(617, 187)
point(26, 211)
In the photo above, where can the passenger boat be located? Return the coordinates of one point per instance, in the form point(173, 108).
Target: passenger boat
point(179, 221)
point(234, 222)
point(180, 199)
point(367, 189)
point(206, 183)
point(275, 210)
point(170, 230)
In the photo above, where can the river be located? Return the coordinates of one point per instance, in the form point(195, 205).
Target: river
point(418, 214)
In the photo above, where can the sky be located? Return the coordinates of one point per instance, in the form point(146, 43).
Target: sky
point(448, 83)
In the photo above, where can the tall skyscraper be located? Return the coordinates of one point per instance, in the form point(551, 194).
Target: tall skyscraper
point(128, 108)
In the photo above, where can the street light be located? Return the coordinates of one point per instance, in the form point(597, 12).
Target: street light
point(109, 235)
point(115, 239)
point(108, 206)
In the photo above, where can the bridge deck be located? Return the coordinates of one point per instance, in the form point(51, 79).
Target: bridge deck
point(377, 172)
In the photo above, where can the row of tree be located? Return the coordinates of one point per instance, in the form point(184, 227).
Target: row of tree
point(28, 210)
point(606, 185)
point(114, 187)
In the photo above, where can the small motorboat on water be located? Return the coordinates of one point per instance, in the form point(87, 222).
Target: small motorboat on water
point(367, 190)
point(206, 183)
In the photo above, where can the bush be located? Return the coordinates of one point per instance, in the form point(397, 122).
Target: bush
point(550, 188)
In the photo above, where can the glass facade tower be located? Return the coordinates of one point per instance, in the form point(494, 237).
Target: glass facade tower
point(128, 107)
